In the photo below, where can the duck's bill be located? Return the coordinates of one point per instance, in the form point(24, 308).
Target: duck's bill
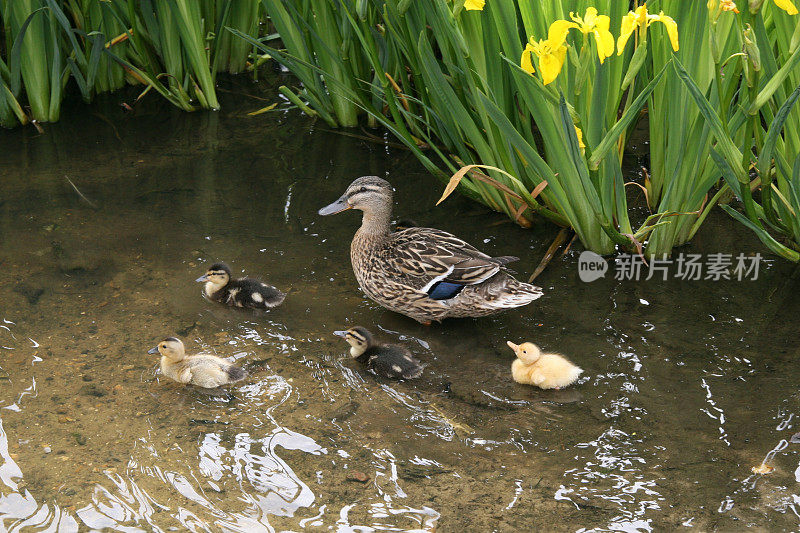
point(336, 207)
point(342, 334)
point(512, 345)
point(152, 351)
point(204, 277)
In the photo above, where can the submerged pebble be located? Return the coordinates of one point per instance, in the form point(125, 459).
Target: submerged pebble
point(360, 477)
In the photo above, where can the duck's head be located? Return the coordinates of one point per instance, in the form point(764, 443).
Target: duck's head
point(217, 275)
point(359, 339)
point(367, 193)
point(171, 348)
point(527, 352)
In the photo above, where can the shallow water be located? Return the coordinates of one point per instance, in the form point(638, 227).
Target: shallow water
point(687, 385)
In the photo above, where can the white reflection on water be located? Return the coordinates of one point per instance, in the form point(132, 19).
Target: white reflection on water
point(21, 511)
point(615, 475)
point(268, 486)
point(715, 412)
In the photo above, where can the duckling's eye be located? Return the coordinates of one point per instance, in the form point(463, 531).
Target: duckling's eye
point(362, 189)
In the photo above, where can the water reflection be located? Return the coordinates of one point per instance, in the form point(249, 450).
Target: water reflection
point(685, 390)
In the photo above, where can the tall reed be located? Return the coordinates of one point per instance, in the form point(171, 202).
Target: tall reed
point(543, 136)
point(173, 46)
point(448, 82)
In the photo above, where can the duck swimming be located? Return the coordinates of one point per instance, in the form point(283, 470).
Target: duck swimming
point(545, 370)
point(241, 292)
point(424, 273)
point(388, 360)
point(207, 371)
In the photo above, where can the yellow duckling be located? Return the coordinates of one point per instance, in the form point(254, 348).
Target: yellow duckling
point(208, 371)
point(545, 370)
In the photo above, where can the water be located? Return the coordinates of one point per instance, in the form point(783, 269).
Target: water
point(687, 385)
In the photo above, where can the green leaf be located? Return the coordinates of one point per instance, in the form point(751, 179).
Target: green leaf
point(610, 139)
point(775, 82)
point(16, 51)
point(765, 157)
point(763, 236)
point(724, 143)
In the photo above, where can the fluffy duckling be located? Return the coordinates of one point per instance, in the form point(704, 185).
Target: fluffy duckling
point(241, 292)
point(208, 371)
point(545, 370)
point(388, 360)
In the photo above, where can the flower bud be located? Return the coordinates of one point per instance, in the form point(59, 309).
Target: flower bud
point(713, 11)
point(751, 48)
point(755, 6)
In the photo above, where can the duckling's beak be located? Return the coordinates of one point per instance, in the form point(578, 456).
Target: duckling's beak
point(153, 351)
point(341, 334)
point(513, 346)
point(204, 277)
point(336, 207)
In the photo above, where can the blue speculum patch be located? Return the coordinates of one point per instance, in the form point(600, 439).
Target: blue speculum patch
point(444, 290)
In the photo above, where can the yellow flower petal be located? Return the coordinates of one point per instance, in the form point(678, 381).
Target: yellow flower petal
point(641, 14)
point(525, 63)
point(590, 17)
point(557, 33)
point(730, 5)
point(603, 38)
point(585, 24)
point(553, 62)
point(787, 5)
point(550, 66)
point(579, 133)
point(474, 5)
point(672, 29)
point(628, 26)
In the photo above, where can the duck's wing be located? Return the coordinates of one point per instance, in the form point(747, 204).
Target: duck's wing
point(207, 370)
point(425, 257)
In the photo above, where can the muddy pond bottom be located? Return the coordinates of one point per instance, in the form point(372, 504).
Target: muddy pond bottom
point(687, 385)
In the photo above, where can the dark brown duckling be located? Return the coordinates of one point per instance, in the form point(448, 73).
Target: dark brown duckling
point(388, 360)
point(241, 292)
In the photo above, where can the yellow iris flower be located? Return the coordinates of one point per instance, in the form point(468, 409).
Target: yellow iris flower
point(728, 5)
point(717, 7)
point(598, 26)
point(787, 5)
point(641, 18)
point(474, 5)
point(551, 52)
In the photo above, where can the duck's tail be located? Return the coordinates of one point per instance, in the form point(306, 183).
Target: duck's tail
point(236, 373)
point(501, 291)
point(515, 293)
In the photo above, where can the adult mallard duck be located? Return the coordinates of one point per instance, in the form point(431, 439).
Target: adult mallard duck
point(424, 273)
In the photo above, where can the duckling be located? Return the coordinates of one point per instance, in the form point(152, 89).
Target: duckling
point(545, 370)
point(388, 360)
point(208, 371)
point(241, 292)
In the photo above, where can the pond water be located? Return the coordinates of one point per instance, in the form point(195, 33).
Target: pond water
point(687, 384)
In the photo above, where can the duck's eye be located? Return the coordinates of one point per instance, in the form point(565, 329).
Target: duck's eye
point(362, 189)
point(164, 346)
